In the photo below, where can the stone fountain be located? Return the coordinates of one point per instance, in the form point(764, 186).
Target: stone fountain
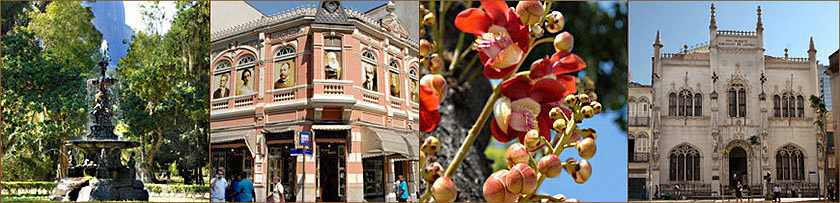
point(101, 176)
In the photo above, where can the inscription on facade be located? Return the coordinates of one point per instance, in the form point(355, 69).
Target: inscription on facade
point(737, 43)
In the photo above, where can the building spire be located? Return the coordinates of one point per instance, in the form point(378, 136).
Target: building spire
point(758, 25)
point(712, 23)
point(658, 41)
point(811, 46)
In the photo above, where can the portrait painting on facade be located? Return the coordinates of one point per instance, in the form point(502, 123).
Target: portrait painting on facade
point(415, 94)
point(395, 84)
point(245, 81)
point(332, 65)
point(221, 85)
point(284, 74)
point(369, 81)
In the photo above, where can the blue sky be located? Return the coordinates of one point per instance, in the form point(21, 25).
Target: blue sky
point(272, 7)
point(786, 25)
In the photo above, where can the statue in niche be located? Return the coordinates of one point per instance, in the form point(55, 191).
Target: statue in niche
point(333, 67)
point(395, 84)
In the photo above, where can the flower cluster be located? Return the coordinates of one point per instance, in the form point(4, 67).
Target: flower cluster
point(541, 107)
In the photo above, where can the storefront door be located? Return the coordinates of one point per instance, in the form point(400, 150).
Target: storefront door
point(331, 166)
point(283, 166)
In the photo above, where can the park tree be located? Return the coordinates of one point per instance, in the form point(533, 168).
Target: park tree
point(38, 114)
point(166, 91)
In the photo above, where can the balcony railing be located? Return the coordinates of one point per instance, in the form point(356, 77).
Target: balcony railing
point(639, 157)
point(331, 87)
point(639, 121)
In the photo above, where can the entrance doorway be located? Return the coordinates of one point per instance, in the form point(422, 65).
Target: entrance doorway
point(331, 166)
point(283, 166)
point(737, 166)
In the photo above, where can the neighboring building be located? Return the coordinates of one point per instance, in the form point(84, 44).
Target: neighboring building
point(834, 116)
point(825, 86)
point(345, 77)
point(638, 142)
point(725, 112)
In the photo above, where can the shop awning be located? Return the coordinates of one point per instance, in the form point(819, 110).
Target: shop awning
point(250, 137)
point(413, 143)
point(380, 142)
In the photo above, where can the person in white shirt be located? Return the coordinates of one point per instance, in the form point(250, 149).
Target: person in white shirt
point(217, 187)
point(277, 194)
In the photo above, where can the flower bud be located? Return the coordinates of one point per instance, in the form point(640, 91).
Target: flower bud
point(431, 145)
point(530, 12)
point(570, 101)
point(444, 190)
point(554, 22)
point(555, 113)
point(436, 63)
point(429, 19)
point(559, 125)
point(521, 180)
point(593, 96)
point(582, 171)
point(550, 166)
point(536, 31)
point(586, 148)
point(533, 140)
point(422, 159)
point(587, 111)
point(501, 113)
point(589, 132)
point(432, 172)
point(584, 98)
point(426, 47)
point(495, 189)
point(516, 153)
point(564, 42)
point(596, 106)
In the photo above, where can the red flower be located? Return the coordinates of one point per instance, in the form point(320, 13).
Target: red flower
point(501, 38)
point(432, 89)
point(519, 111)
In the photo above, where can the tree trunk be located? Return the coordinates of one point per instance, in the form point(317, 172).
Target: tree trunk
point(150, 162)
point(458, 114)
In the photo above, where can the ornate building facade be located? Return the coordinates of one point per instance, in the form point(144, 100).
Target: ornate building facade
point(724, 113)
point(347, 77)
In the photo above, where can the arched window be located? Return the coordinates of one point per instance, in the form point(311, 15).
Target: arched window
point(688, 103)
point(672, 104)
point(698, 104)
point(415, 94)
point(223, 65)
point(395, 78)
point(683, 104)
point(800, 106)
point(284, 67)
point(684, 163)
point(643, 107)
point(785, 106)
point(641, 143)
point(777, 106)
point(631, 106)
point(246, 60)
point(737, 101)
point(367, 54)
point(245, 75)
point(792, 106)
point(790, 163)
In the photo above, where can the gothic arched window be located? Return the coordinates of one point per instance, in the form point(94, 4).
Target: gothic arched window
point(790, 163)
point(777, 106)
point(684, 164)
point(698, 104)
point(785, 106)
point(223, 65)
point(792, 106)
point(737, 101)
point(672, 104)
point(800, 106)
point(245, 60)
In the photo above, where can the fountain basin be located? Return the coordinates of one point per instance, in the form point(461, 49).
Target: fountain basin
point(94, 146)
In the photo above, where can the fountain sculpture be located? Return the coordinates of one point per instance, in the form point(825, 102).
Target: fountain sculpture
point(101, 176)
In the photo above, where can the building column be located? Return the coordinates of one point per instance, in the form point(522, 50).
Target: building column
point(355, 180)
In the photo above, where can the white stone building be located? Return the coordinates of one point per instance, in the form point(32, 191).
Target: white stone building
point(725, 112)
